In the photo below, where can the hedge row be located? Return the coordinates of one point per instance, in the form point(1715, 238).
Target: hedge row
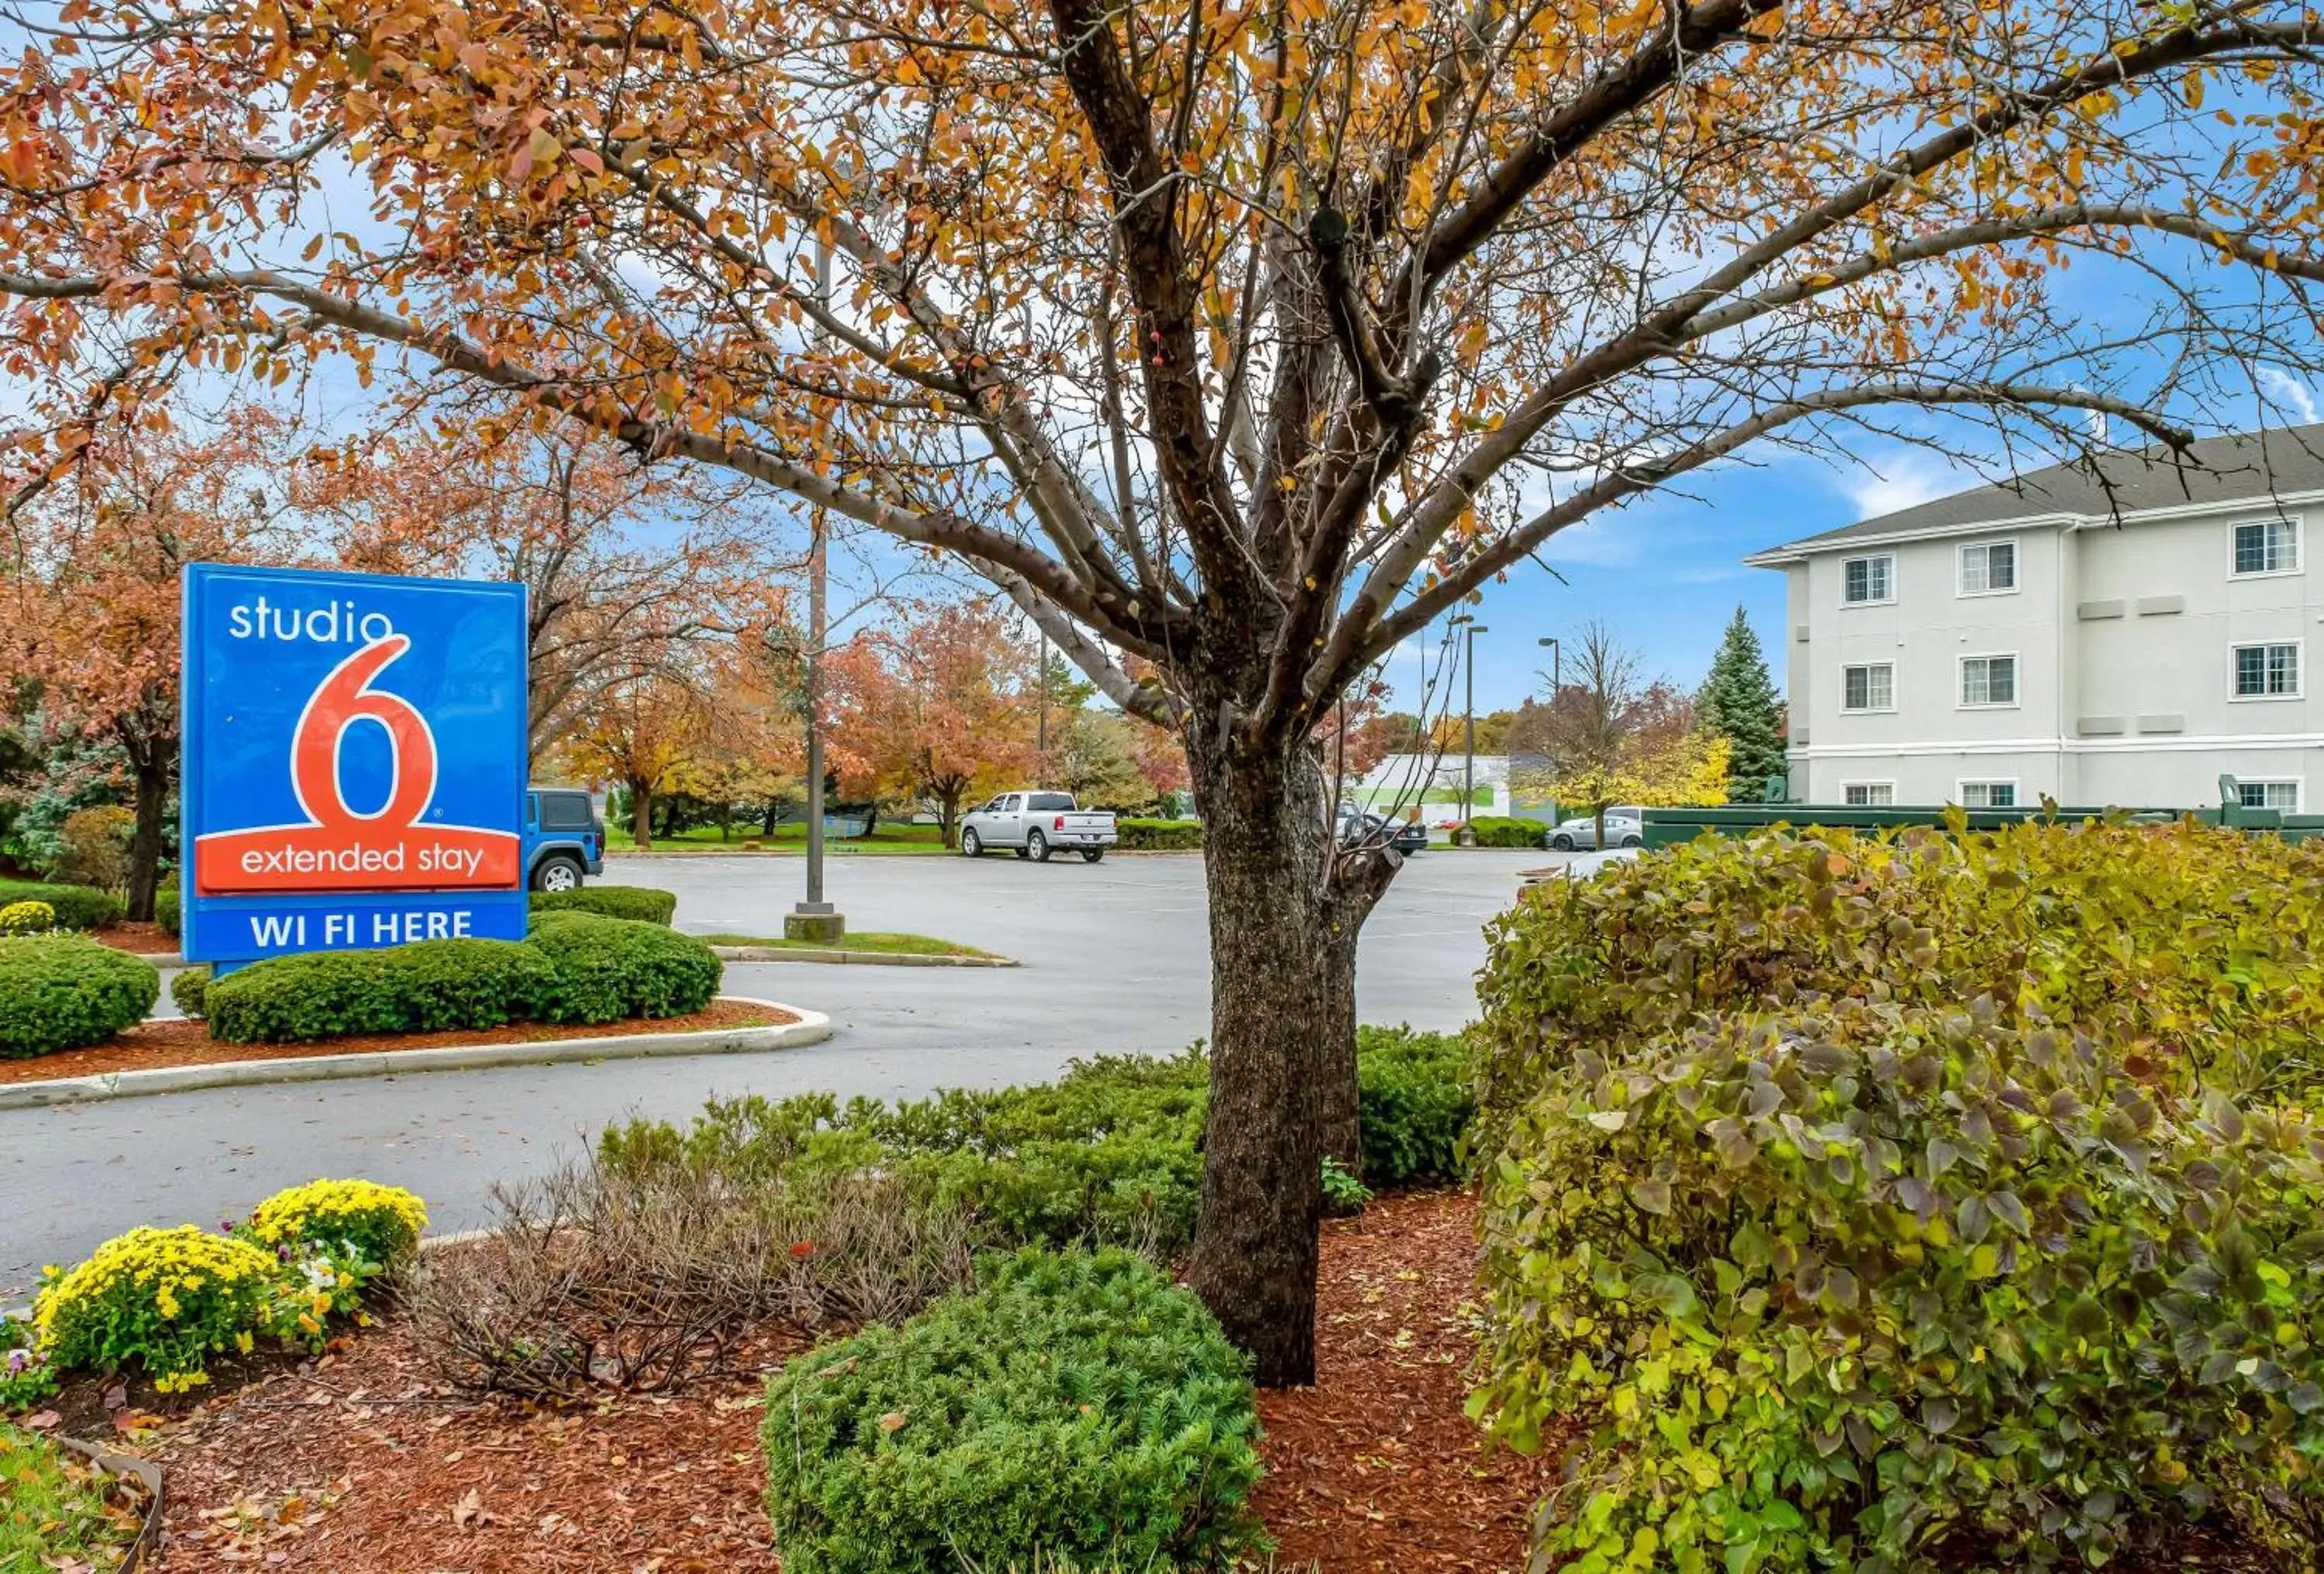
point(638, 902)
point(1919, 1202)
point(62, 991)
point(1111, 1153)
point(1158, 836)
point(1508, 830)
point(573, 968)
point(76, 907)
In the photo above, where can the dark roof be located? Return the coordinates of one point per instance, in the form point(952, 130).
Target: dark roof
point(2287, 459)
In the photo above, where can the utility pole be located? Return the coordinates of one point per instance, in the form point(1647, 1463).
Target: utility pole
point(1041, 737)
point(816, 918)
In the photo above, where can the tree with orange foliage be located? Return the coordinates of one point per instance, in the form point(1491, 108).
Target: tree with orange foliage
point(92, 587)
point(626, 564)
point(940, 708)
point(645, 731)
point(1360, 304)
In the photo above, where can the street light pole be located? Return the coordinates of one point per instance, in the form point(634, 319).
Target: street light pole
point(1469, 714)
point(814, 919)
point(1556, 667)
point(1041, 737)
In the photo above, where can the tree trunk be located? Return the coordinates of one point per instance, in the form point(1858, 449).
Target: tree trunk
point(1338, 1111)
point(641, 815)
point(152, 788)
point(1275, 995)
point(1599, 816)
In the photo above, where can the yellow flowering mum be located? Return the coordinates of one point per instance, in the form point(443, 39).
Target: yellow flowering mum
point(166, 1299)
point(383, 1222)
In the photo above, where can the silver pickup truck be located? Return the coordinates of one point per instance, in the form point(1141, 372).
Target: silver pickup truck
point(1035, 825)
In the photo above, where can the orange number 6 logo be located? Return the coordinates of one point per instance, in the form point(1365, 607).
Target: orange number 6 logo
point(340, 701)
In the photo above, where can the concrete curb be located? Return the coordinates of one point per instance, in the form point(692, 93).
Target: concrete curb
point(855, 958)
point(812, 1028)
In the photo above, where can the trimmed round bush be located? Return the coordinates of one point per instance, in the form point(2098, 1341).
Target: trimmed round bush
point(1071, 1407)
point(60, 992)
point(640, 903)
point(27, 918)
point(168, 1300)
point(290, 1000)
point(76, 907)
point(611, 969)
point(190, 990)
point(434, 985)
point(1158, 836)
point(382, 1223)
point(165, 907)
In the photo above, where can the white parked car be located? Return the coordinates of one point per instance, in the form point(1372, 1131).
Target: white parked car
point(1036, 824)
point(1625, 827)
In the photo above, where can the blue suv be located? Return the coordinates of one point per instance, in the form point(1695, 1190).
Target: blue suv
point(563, 839)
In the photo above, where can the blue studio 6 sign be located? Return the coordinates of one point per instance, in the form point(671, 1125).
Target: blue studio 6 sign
point(354, 760)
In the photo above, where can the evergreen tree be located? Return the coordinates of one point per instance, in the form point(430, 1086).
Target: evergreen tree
point(1740, 700)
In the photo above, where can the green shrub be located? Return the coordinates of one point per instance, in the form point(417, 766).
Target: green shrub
point(1158, 836)
point(1909, 1203)
point(165, 906)
point(611, 969)
point(1414, 1105)
point(290, 1000)
point(76, 907)
point(1070, 1406)
point(573, 968)
point(189, 988)
point(440, 984)
point(1508, 830)
point(94, 846)
point(60, 992)
point(638, 902)
point(2200, 943)
point(19, 919)
point(1344, 1194)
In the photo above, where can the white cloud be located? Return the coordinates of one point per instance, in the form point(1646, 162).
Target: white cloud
point(2288, 394)
point(1901, 479)
point(1596, 543)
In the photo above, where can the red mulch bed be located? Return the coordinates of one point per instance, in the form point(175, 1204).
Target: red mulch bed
point(362, 1464)
point(145, 939)
point(183, 1043)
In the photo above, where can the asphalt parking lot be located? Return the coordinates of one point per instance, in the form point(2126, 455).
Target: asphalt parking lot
point(1115, 959)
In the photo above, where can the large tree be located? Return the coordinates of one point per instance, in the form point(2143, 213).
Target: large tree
point(1738, 699)
point(89, 582)
point(1244, 337)
point(1611, 736)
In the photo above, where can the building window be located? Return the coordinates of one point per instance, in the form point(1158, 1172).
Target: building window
point(1868, 795)
point(1988, 795)
point(2267, 547)
point(1989, 566)
point(1989, 680)
point(1868, 688)
point(2266, 672)
point(2269, 795)
point(1866, 580)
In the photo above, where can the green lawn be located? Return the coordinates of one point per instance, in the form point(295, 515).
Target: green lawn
point(865, 940)
point(55, 1510)
point(896, 838)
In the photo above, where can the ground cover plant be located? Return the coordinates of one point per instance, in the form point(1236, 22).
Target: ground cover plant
point(58, 1511)
point(1891, 1202)
point(1068, 1405)
point(873, 941)
point(61, 992)
point(574, 967)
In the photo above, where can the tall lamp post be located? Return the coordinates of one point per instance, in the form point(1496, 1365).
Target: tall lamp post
point(1556, 667)
point(1470, 629)
point(816, 918)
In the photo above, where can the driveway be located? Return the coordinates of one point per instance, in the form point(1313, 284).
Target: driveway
point(1115, 960)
